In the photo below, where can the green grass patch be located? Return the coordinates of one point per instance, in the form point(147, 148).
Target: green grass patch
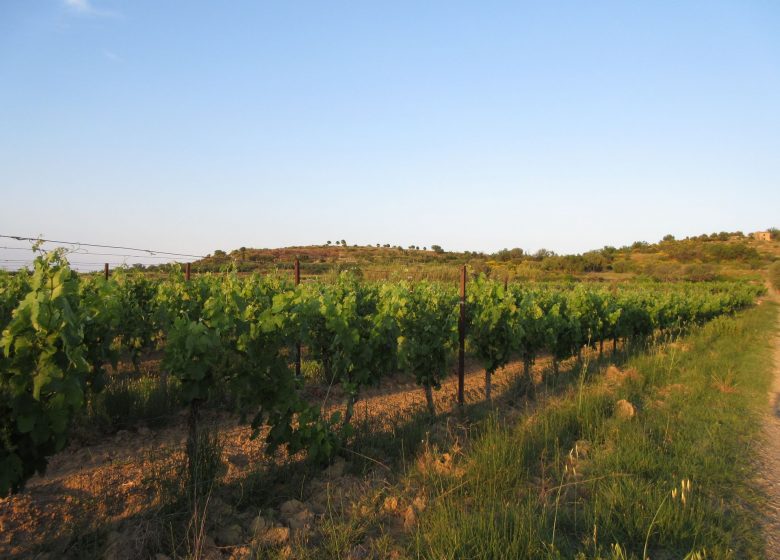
point(575, 481)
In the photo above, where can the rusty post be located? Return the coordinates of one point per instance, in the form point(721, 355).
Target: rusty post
point(297, 276)
point(187, 273)
point(105, 271)
point(462, 337)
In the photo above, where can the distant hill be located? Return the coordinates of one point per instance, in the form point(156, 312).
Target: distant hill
point(704, 257)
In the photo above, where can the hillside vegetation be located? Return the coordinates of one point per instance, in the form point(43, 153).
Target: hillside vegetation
point(705, 257)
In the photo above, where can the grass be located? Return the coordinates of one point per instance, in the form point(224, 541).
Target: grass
point(574, 481)
point(180, 519)
point(774, 275)
point(126, 401)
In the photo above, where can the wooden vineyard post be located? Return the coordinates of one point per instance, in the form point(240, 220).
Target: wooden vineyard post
point(193, 435)
point(462, 337)
point(105, 271)
point(297, 273)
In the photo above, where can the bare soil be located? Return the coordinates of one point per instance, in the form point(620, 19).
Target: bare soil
point(94, 485)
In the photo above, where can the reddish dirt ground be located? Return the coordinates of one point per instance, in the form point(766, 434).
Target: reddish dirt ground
point(89, 486)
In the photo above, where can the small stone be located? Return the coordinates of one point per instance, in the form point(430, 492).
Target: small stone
point(291, 507)
point(410, 518)
point(276, 536)
point(390, 504)
point(320, 501)
point(241, 553)
point(230, 535)
point(443, 465)
point(301, 520)
point(161, 556)
point(336, 469)
point(624, 410)
point(144, 431)
point(259, 525)
point(419, 503)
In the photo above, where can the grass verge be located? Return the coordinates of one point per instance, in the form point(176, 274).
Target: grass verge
point(774, 275)
point(591, 477)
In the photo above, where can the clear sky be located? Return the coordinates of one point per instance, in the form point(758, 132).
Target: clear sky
point(193, 126)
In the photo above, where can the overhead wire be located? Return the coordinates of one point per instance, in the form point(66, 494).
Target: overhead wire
point(80, 265)
point(85, 252)
point(100, 245)
point(71, 263)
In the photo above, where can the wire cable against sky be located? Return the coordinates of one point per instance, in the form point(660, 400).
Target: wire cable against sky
point(80, 244)
point(90, 253)
point(72, 263)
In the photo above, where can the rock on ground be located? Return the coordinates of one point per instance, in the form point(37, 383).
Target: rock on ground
point(624, 410)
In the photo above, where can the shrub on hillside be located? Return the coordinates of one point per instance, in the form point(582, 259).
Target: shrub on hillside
point(700, 272)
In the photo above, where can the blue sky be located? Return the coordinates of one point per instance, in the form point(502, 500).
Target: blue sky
point(191, 126)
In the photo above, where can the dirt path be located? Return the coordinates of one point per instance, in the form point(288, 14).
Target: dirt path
point(770, 455)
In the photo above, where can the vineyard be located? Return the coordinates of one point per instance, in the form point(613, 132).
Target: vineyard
point(235, 343)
